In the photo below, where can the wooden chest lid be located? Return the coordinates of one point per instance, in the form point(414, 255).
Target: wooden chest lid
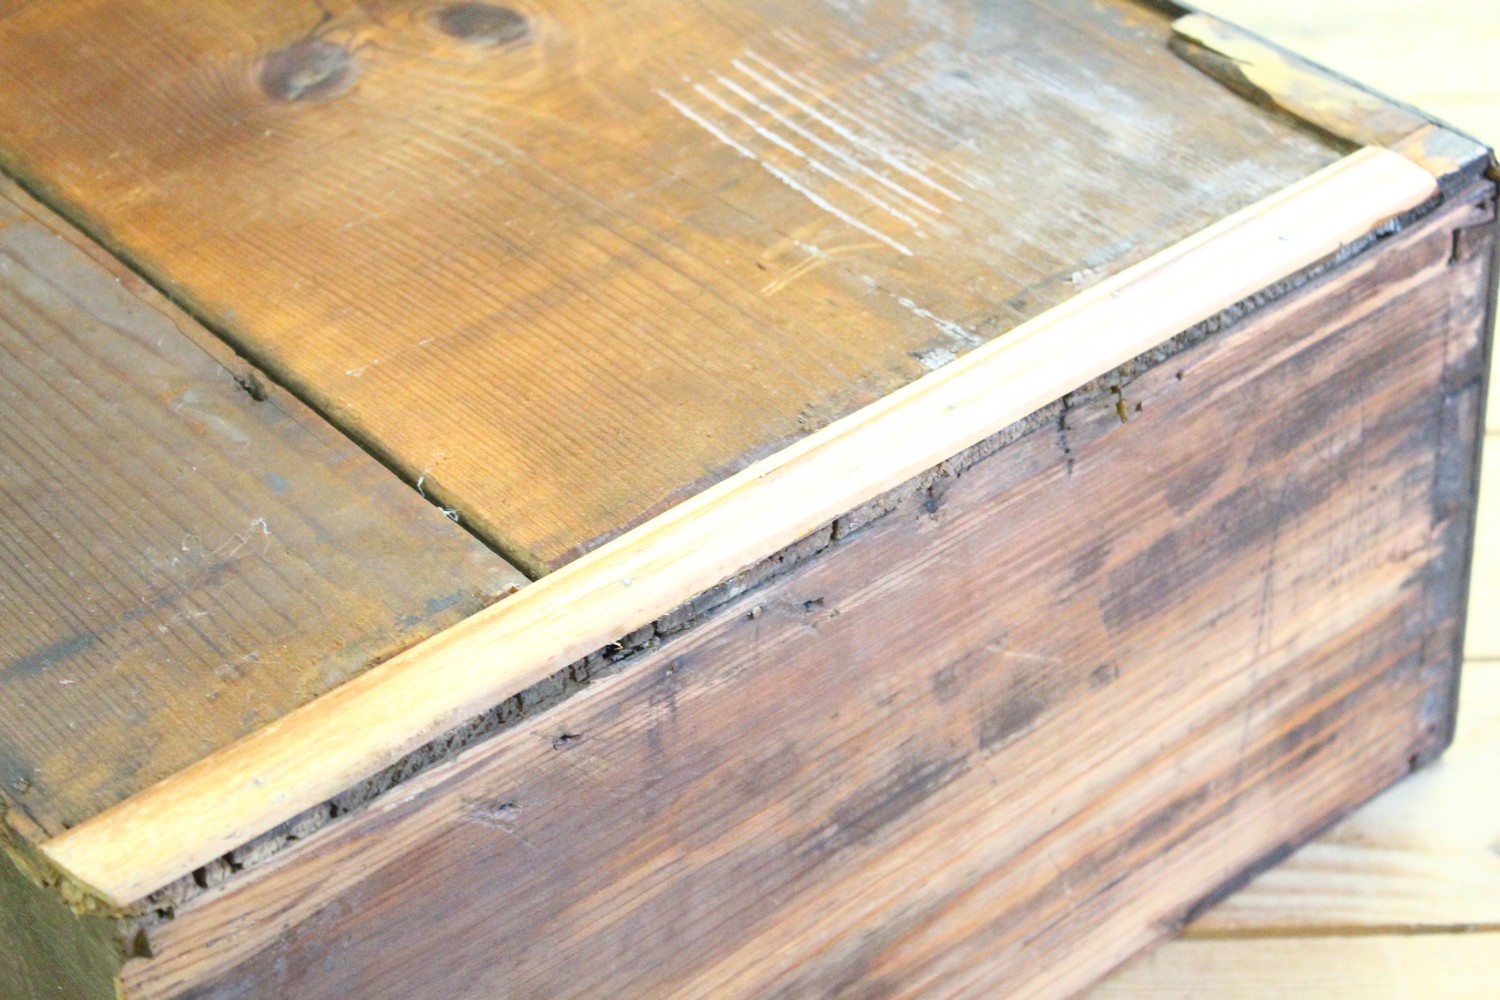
point(565, 264)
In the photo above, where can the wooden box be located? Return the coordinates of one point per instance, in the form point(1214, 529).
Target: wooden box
point(758, 499)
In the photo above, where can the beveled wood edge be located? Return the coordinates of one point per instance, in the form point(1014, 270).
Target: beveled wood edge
point(1321, 98)
point(310, 755)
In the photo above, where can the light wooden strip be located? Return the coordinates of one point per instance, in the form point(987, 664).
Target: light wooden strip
point(1425, 854)
point(314, 753)
point(1380, 967)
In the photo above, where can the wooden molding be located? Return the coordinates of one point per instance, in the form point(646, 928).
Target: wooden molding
point(308, 756)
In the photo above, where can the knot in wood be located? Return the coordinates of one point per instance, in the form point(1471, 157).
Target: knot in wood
point(310, 70)
point(483, 24)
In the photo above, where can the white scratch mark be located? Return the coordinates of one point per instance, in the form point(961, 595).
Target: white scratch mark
point(841, 130)
point(779, 174)
point(955, 330)
point(826, 146)
point(357, 372)
point(936, 358)
point(817, 165)
point(240, 541)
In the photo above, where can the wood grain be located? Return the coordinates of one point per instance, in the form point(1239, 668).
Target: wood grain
point(305, 758)
point(1384, 967)
point(1420, 858)
point(570, 277)
point(180, 561)
point(970, 744)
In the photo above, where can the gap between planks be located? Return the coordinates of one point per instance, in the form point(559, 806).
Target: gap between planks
point(310, 755)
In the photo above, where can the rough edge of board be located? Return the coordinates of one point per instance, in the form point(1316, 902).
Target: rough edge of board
point(1340, 110)
point(1396, 193)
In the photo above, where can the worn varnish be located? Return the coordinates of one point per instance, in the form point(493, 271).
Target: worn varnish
point(568, 263)
point(969, 745)
point(185, 553)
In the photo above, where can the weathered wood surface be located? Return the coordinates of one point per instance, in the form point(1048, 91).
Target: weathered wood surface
point(966, 738)
point(181, 562)
point(1434, 56)
point(519, 256)
point(314, 754)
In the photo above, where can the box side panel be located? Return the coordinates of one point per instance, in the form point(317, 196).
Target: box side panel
point(1006, 735)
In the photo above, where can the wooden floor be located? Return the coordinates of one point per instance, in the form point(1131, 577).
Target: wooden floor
point(1402, 899)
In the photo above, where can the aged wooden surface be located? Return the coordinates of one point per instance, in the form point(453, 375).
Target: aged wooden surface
point(516, 256)
point(181, 562)
point(1420, 862)
point(968, 736)
point(1433, 56)
point(311, 755)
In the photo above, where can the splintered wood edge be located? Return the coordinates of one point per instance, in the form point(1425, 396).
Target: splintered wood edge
point(351, 732)
point(1323, 100)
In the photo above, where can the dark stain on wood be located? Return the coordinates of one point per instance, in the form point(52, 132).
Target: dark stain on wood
point(48, 952)
point(1192, 484)
point(868, 811)
point(1013, 715)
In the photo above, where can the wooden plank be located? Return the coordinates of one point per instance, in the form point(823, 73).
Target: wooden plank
point(570, 277)
point(968, 745)
point(1382, 967)
point(1420, 857)
point(301, 760)
point(186, 555)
